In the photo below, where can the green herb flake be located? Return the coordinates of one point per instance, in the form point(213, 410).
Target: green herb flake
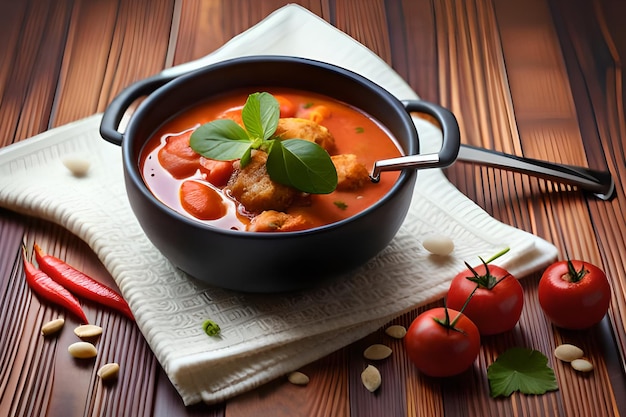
point(340, 204)
point(521, 369)
point(359, 129)
point(308, 105)
point(211, 328)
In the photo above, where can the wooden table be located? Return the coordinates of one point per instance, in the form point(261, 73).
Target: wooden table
point(538, 78)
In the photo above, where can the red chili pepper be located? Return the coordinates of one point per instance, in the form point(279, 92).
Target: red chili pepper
point(81, 284)
point(48, 289)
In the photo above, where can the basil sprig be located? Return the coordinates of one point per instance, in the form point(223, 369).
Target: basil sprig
point(298, 163)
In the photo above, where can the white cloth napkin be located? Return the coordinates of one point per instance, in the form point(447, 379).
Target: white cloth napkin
point(263, 336)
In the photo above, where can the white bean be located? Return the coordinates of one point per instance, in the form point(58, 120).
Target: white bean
point(396, 331)
point(82, 350)
point(52, 327)
point(371, 378)
point(438, 245)
point(582, 365)
point(78, 166)
point(298, 378)
point(377, 352)
point(568, 353)
point(87, 331)
point(109, 371)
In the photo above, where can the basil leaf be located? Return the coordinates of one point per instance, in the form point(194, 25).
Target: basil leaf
point(298, 163)
point(303, 165)
point(260, 115)
point(246, 158)
point(222, 140)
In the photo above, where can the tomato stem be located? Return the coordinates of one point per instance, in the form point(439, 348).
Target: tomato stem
point(469, 297)
point(573, 275)
point(452, 325)
point(487, 280)
point(497, 255)
point(446, 321)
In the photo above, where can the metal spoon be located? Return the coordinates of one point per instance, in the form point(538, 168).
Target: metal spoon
point(600, 183)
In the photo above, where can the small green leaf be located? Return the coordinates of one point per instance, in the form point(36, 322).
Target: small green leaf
point(222, 140)
point(246, 158)
point(211, 328)
point(303, 165)
point(359, 129)
point(340, 204)
point(260, 115)
point(521, 369)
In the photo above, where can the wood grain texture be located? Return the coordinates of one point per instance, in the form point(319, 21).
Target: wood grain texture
point(538, 78)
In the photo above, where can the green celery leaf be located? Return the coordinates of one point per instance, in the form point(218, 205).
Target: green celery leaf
point(521, 369)
point(260, 115)
point(222, 140)
point(303, 165)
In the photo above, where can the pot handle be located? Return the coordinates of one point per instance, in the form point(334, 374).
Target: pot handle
point(449, 147)
point(115, 110)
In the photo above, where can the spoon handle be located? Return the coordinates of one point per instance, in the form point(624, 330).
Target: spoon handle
point(600, 183)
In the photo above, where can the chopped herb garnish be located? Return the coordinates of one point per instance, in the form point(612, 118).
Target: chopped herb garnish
point(359, 129)
point(521, 369)
point(298, 163)
point(211, 328)
point(308, 105)
point(340, 204)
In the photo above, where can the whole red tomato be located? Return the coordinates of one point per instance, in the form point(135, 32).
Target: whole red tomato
point(497, 300)
point(574, 294)
point(439, 349)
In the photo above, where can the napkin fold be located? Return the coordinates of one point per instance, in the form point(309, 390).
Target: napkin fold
point(262, 336)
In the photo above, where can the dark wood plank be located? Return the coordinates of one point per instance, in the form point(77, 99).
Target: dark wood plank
point(30, 69)
point(326, 393)
point(204, 26)
point(120, 43)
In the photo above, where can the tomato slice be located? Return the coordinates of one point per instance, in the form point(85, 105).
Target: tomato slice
point(217, 172)
point(177, 157)
point(287, 108)
point(202, 201)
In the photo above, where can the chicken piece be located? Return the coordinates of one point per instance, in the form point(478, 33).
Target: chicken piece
point(252, 187)
point(296, 128)
point(277, 221)
point(351, 174)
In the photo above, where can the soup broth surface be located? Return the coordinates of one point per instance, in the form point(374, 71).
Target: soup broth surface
point(354, 131)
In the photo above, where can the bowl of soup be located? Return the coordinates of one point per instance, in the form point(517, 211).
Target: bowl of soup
point(231, 211)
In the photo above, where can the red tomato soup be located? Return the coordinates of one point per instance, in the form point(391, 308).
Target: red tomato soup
point(199, 188)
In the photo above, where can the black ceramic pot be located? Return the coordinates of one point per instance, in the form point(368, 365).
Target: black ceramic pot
point(268, 262)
